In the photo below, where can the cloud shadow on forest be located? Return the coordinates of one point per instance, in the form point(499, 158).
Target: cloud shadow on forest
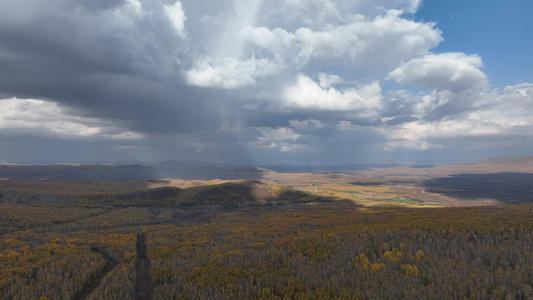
point(506, 187)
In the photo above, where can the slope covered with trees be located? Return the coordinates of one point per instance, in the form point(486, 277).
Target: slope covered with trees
point(252, 240)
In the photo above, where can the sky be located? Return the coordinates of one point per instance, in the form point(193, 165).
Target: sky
point(323, 82)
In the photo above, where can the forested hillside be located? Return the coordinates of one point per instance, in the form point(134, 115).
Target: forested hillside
point(275, 247)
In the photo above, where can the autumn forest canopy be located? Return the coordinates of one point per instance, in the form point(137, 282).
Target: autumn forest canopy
point(404, 232)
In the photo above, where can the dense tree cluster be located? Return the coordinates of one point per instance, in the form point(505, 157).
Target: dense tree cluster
point(52, 270)
point(299, 255)
point(88, 250)
point(49, 256)
point(23, 217)
point(117, 284)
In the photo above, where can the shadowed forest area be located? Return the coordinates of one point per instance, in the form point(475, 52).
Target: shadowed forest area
point(504, 187)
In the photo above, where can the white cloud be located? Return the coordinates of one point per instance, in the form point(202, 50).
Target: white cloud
point(456, 85)
point(307, 94)
point(456, 72)
point(411, 145)
point(328, 80)
point(283, 139)
point(292, 148)
point(347, 125)
point(377, 6)
point(381, 42)
point(176, 14)
point(303, 124)
point(522, 89)
point(230, 73)
point(277, 134)
point(278, 41)
point(314, 11)
point(213, 20)
point(320, 13)
point(425, 104)
point(508, 116)
point(136, 6)
point(47, 117)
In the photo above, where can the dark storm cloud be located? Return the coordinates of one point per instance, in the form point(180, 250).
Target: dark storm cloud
point(111, 60)
point(238, 80)
point(274, 119)
point(90, 56)
point(46, 149)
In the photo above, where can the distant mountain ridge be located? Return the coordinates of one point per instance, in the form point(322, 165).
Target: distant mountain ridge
point(118, 172)
point(205, 170)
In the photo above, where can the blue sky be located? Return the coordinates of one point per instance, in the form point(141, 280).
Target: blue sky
point(265, 82)
point(500, 32)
